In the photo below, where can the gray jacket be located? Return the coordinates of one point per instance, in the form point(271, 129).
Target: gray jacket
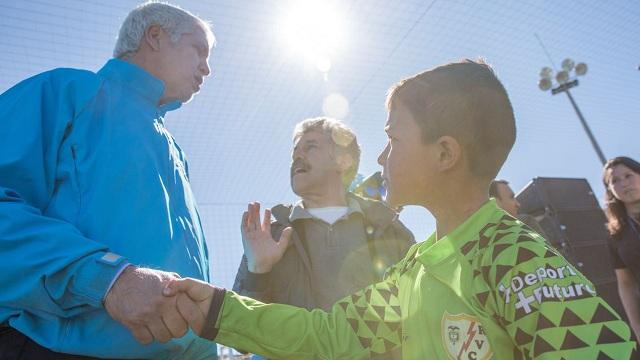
point(325, 263)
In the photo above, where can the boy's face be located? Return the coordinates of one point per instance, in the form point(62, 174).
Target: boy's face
point(408, 163)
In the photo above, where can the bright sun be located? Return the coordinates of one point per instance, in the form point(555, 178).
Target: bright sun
point(315, 30)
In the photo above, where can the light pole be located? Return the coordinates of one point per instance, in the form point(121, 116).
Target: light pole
point(566, 81)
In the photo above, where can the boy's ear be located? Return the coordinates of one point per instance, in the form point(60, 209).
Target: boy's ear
point(449, 152)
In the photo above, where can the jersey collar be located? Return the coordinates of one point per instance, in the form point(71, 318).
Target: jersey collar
point(432, 252)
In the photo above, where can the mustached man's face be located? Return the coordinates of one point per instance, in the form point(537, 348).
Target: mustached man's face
point(314, 168)
point(406, 160)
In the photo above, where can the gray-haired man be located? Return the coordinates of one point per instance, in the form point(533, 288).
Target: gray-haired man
point(339, 242)
point(95, 195)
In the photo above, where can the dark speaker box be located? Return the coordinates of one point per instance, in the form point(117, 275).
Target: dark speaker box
point(569, 213)
point(556, 194)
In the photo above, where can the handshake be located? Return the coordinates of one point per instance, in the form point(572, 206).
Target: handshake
point(157, 305)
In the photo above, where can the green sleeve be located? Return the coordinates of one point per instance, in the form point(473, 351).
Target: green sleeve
point(367, 322)
point(548, 308)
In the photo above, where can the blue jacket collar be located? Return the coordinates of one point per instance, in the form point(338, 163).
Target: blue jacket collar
point(138, 79)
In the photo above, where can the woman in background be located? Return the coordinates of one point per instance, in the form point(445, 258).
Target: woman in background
point(622, 198)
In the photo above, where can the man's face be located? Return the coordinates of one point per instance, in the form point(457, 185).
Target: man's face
point(314, 168)
point(624, 184)
point(507, 199)
point(407, 162)
point(183, 65)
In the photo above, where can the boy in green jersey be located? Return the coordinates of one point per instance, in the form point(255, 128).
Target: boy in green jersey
point(482, 286)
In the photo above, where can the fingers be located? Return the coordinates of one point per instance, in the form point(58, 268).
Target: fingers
point(191, 313)
point(266, 222)
point(175, 323)
point(244, 224)
point(195, 289)
point(141, 333)
point(253, 221)
point(159, 330)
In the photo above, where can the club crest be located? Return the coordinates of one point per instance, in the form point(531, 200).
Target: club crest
point(463, 337)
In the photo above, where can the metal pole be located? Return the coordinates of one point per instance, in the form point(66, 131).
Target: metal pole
point(603, 159)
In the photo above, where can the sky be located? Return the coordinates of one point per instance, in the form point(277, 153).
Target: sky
point(275, 65)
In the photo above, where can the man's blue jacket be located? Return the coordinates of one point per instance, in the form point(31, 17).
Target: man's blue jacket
point(90, 180)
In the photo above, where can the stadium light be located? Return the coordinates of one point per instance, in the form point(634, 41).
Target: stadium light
point(567, 79)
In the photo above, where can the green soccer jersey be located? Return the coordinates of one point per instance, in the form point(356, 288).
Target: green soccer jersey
point(491, 289)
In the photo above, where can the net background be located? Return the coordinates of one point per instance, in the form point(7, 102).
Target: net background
point(237, 131)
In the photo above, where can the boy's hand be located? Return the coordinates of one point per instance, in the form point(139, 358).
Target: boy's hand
point(261, 250)
point(193, 300)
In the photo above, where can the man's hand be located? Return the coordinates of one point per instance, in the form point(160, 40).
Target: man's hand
point(193, 300)
point(261, 250)
point(136, 301)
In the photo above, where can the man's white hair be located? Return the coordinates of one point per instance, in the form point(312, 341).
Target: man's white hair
point(171, 18)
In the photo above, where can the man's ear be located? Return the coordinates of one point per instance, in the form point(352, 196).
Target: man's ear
point(449, 152)
point(153, 36)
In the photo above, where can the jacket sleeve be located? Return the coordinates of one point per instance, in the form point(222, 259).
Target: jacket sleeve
point(550, 310)
point(404, 236)
point(252, 285)
point(367, 322)
point(47, 265)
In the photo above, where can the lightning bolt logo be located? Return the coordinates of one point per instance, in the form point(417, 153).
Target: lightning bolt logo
point(471, 333)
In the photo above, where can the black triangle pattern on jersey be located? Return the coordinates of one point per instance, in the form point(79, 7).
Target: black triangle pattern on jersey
point(485, 273)
point(394, 290)
point(499, 236)
point(483, 241)
point(603, 356)
point(544, 323)
point(520, 313)
point(361, 310)
point(372, 325)
point(394, 326)
point(367, 295)
point(354, 324)
point(549, 254)
point(525, 254)
point(569, 318)
point(468, 247)
point(571, 341)
point(344, 305)
point(397, 310)
point(482, 297)
point(602, 314)
point(497, 249)
point(517, 354)
point(607, 336)
point(365, 342)
point(388, 345)
point(523, 238)
point(386, 294)
point(522, 337)
point(500, 271)
point(540, 346)
point(503, 225)
point(476, 272)
point(486, 228)
point(354, 298)
point(380, 310)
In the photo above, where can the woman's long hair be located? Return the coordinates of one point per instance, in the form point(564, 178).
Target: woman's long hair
point(615, 210)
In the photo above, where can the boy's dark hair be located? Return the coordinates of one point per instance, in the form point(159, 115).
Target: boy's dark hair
point(464, 100)
point(493, 188)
